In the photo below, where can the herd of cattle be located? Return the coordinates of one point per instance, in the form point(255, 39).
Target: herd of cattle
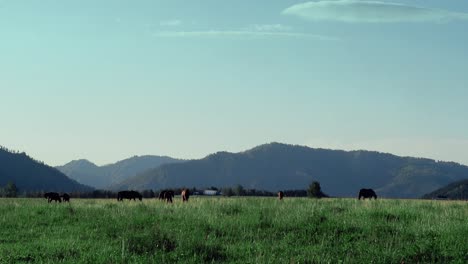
point(168, 195)
point(53, 196)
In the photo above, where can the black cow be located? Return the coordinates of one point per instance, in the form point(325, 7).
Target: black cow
point(52, 196)
point(280, 195)
point(367, 193)
point(129, 195)
point(166, 195)
point(66, 197)
point(161, 195)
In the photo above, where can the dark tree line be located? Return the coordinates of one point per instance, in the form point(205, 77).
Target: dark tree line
point(314, 191)
point(238, 190)
point(10, 190)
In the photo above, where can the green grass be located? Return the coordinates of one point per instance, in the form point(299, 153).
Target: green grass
point(235, 230)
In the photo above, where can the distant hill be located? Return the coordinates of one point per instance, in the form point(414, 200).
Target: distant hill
point(454, 191)
point(102, 177)
point(278, 166)
point(31, 175)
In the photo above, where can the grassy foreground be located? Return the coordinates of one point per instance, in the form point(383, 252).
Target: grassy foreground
point(236, 230)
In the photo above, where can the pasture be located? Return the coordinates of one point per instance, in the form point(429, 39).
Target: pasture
point(233, 230)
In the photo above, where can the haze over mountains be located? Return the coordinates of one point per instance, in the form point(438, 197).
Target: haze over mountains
point(102, 177)
point(31, 175)
point(278, 166)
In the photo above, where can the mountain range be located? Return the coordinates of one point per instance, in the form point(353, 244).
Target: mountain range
point(454, 191)
point(270, 167)
point(102, 177)
point(31, 175)
point(278, 166)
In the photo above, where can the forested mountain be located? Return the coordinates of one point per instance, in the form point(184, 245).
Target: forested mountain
point(454, 191)
point(89, 173)
point(31, 175)
point(278, 167)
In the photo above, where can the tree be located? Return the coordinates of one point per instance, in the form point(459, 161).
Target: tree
point(238, 190)
point(315, 191)
point(11, 190)
point(228, 191)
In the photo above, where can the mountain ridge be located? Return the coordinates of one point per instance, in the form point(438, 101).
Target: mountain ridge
point(276, 166)
point(87, 172)
point(29, 174)
point(454, 191)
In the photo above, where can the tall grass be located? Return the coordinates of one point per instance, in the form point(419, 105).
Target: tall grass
point(236, 230)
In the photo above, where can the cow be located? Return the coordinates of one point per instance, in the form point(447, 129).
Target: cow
point(280, 195)
point(52, 196)
point(166, 195)
point(129, 195)
point(66, 197)
point(367, 193)
point(185, 195)
point(161, 195)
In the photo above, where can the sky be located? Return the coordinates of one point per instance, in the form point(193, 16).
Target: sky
point(105, 80)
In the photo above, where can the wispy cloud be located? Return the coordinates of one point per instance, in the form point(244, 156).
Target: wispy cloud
point(354, 11)
point(269, 27)
point(251, 31)
point(239, 34)
point(171, 23)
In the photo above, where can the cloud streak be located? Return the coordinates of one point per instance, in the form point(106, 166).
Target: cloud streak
point(353, 11)
point(239, 34)
point(269, 27)
point(170, 23)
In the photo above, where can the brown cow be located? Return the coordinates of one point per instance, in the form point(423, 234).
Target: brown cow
point(185, 195)
point(280, 195)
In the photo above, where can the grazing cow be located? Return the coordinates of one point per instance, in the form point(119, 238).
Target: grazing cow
point(185, 195)
point(168, 195)
point(129, 195)
point(161, 195)
point(367, 193)
point(52, 196)
point(66, 197)
point(280, 195)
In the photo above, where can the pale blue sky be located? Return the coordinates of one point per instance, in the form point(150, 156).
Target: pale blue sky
point(108, 79)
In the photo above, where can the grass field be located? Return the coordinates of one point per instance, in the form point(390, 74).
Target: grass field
point(235, 230)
